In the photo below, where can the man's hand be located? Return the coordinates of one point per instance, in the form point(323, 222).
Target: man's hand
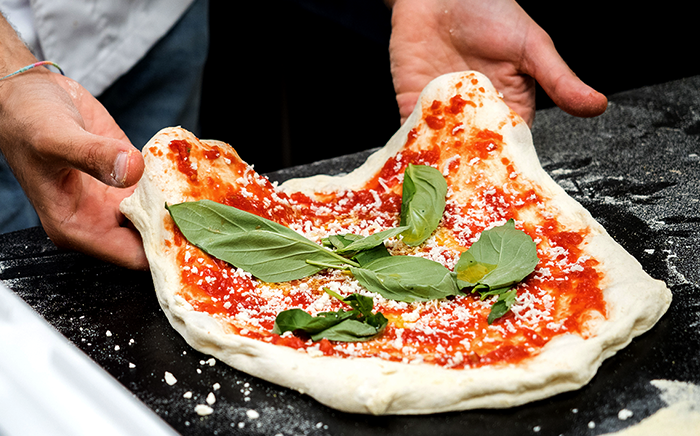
point(73, 162)
point(495, 37)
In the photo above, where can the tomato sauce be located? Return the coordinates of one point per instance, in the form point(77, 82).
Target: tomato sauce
point(182, 150)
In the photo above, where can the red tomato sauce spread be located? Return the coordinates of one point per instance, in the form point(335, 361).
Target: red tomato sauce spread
point(559, 297)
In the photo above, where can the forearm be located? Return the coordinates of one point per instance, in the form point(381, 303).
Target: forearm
point(14, 54)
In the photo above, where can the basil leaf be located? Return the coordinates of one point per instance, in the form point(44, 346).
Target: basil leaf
point(297, 319)
point(406, 278)
point(358, 324)
point(422, 203)
point(362, 249)
point(268, 250)
point(368, 256)
point(485, 292)
point(338, 242)
point(502, 257)
point(349, 330)
point(502, 305)
point(361, 303)
point(371, 241)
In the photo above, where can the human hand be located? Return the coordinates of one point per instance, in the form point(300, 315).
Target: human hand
point(495, 37)
point(74, 163)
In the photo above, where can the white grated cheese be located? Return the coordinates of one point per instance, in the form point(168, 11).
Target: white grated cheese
point(211, 399)
point(170, 378)
point(203, 410)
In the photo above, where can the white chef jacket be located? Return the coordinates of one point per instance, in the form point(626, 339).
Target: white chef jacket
point(93, 41)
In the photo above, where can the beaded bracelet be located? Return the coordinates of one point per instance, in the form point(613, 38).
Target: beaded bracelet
point(29, 67)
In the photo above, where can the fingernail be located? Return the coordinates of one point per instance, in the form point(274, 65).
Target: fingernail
point(121, 166)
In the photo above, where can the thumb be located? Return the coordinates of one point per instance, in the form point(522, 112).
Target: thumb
point(565, 89)
point(114, 162)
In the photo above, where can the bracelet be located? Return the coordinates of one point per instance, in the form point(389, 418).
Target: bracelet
point(29, 67)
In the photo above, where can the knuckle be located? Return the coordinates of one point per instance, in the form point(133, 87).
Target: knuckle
point(91, 156)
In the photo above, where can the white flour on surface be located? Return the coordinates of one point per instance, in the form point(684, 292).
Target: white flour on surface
point(681, 416)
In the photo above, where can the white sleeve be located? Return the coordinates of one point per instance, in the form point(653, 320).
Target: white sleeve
point(95, 42)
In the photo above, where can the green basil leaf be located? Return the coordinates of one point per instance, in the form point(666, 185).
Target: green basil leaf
point(358, 324)
point(361, 303)
point(377, 320)
point(366, 257)
point(422, 203)
point(485, 292)
point(362, 249)
point(349, 330)
point(502, 305)
point(406, 278)
point(297, 319)
point(502, 257)
point(268, 250)
point(333, 293)
point(369, 242)
point(338, 242)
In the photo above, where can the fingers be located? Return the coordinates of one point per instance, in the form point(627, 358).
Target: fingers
point(114, 162)
point(407, 102)
point(576, 98)
point(121, 246)
point(566, 90)
point(118, 245)
point(94, 143)
point(61, 126)
point(83, 214)
point(69, 156)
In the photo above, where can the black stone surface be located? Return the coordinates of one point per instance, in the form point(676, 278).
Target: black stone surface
point(636, 168)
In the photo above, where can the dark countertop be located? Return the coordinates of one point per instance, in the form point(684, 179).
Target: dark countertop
point(636, 168)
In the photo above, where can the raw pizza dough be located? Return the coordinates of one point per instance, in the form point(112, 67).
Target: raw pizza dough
point(634, 301)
